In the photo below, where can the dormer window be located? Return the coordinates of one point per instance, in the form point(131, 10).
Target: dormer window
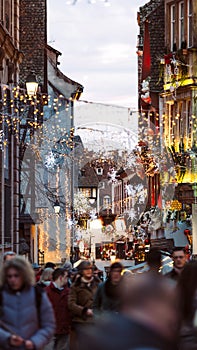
point(99, 171)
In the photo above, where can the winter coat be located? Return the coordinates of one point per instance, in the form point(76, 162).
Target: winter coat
point(59, 300)
point(107, 297)
point(81, 298)
point(20, 314)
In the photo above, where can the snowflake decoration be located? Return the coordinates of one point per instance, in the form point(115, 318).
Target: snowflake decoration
point(112, 175)
point(132, 214)
point(50, 161)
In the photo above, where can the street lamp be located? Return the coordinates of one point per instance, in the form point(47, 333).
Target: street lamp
point(57, 207)
point(31, 84)
point(92, 200)
point(93, 197)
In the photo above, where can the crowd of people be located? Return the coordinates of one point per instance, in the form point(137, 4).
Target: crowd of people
point(61, 308)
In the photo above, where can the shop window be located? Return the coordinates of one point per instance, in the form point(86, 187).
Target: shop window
point(181, 24)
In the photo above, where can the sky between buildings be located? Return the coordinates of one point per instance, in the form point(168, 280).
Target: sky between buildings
point(98, 45)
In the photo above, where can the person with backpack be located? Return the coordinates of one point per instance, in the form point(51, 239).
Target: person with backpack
point(26, 314)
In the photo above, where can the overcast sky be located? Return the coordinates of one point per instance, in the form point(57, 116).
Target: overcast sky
point(98, 45)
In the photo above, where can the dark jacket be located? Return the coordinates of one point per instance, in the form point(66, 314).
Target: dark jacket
point(59, 300)
point(107, 297)
point(20, 314)
point(173, 275)
point(81, 298)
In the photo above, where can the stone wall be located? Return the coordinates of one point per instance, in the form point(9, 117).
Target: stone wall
point(33, 39)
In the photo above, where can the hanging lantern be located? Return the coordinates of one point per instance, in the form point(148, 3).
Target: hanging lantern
point(31, 84)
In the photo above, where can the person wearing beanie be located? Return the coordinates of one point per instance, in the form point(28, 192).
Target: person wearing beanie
point(80, 301)
point(107, 297)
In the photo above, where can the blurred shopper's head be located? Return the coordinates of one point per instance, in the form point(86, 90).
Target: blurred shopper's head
point(151, 300)
point(179, 257)
point(60, 277)
point(67, 266)
point(46, 276)
point(17, 273)
point(8, 255)
point(115, 272)
point(154, 259)
point(50, 264)
point(85, 269)
point(188, 290)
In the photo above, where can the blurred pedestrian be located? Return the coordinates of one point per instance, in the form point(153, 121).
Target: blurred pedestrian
point(27, 318)
point(179, 260)
point(45, 278)
point(148, 319)
point(37, 271)
point(154, 260)
point(107, 297)
point(58, 295)
point(74, 274)
point(8, 255)
point(187, 285)
point(50, 264)
point(81, 298)
point(68, 267)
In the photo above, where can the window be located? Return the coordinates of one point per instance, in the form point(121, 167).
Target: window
point(181, 24)
point(106, 201)
point(188, 123)
point(189, 24)
point(6, 162)
point(8, 15)
point(173, 24)
point(86, 192)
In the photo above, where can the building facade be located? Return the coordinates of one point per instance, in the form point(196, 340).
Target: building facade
point(173, 113)
point(10, 59)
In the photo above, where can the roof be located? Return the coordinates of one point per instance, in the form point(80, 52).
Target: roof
point(50, 48)
point(88, 179)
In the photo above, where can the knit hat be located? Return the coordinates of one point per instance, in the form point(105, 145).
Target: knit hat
point(84, 265)
point(67, 266)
